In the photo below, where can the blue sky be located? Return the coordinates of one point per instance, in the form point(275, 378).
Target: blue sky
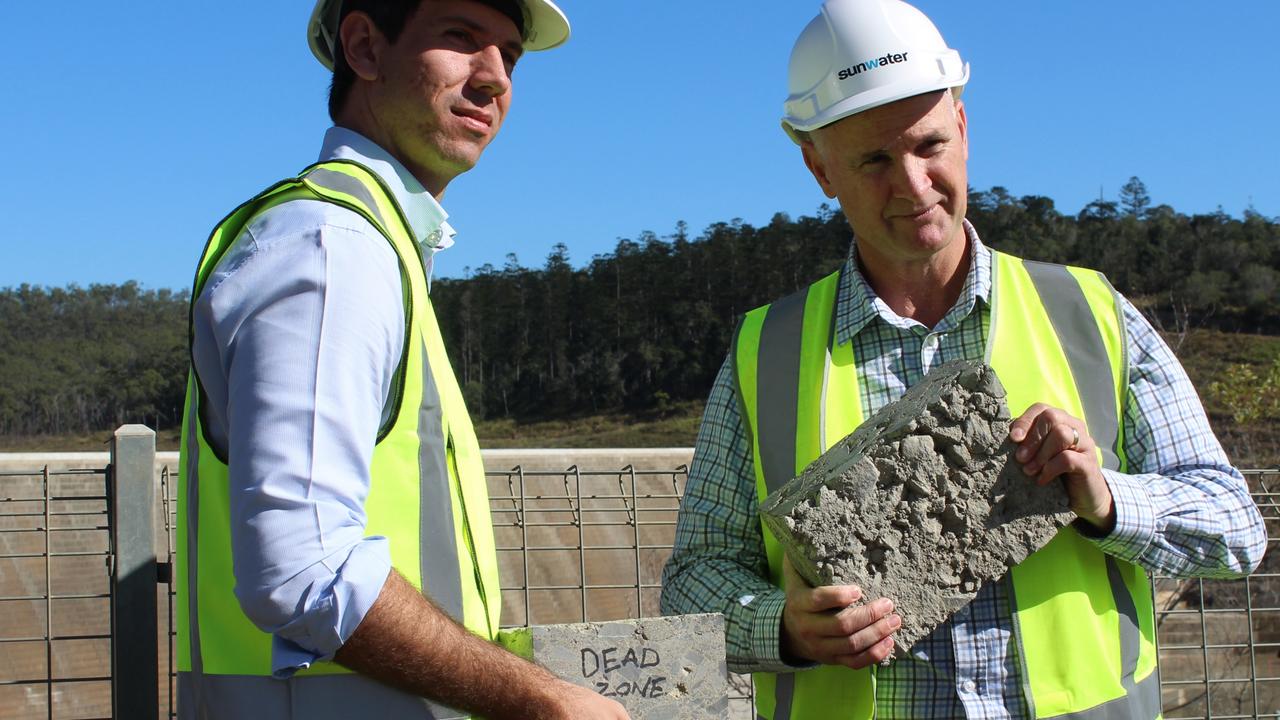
point(131, 128)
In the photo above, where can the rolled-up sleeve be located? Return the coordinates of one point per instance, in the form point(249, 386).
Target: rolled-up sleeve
point(1183, 510)
point(298, 335)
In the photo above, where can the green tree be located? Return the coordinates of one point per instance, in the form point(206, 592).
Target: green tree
point(1134, 198)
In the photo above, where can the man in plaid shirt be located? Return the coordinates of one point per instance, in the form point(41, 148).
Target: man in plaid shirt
point(889, 141)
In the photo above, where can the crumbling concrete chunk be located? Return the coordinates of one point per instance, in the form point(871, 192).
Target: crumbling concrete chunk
point(923, 503)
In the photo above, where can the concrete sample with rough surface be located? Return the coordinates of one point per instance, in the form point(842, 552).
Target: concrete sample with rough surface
point(923, 503)
point(662, 667)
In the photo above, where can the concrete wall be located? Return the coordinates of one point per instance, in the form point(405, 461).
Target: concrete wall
point(494, 460)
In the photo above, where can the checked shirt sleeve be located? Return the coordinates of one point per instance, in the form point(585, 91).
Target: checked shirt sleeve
point(1185, 511)
point(719, 562)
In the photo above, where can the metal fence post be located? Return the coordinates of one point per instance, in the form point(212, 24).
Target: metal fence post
point(134, 652)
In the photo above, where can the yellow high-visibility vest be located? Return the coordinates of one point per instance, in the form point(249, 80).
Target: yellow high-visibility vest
point(427, 497)
point(1084, 621)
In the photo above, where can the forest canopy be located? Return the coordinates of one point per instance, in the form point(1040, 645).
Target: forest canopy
point(637, 328)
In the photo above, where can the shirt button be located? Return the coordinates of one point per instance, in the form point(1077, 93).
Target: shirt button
point(433, 238)
point(969, 686)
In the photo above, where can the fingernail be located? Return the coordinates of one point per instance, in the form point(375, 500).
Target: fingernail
point(1022, 454)
point(895, 622)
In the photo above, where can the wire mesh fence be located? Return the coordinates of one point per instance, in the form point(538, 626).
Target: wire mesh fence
point(1219, 640)
point(579, 544)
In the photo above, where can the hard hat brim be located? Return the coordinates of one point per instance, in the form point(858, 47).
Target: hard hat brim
point(868, 100)
point(546, 27)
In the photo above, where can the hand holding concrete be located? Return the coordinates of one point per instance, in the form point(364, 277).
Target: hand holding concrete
point(1051, 444)
point(824, 625)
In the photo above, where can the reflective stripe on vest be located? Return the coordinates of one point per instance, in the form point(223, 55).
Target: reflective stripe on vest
point(788, 374)
point(427, 496)
point(1051, 325)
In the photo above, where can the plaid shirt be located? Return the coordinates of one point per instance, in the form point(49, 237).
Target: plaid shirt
point(1185, 512)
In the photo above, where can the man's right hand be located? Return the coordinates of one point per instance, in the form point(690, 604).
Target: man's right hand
point(407, 642)
point(823, 625)
point(579, 703)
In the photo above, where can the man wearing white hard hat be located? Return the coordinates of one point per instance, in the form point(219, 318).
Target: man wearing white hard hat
point(335, 553)
point(1101, 405)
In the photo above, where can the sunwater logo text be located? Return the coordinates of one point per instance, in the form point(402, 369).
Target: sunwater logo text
point(890, 59)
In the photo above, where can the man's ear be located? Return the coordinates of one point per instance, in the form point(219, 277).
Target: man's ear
point(362, 45)
point(817, 165)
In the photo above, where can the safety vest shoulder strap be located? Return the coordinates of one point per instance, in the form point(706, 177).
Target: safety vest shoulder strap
point(358, 189)
point(784, 370)
point(790, 338)
point(1065, 323)
point(445, 419)
point(342, 182)
point(1057, 336)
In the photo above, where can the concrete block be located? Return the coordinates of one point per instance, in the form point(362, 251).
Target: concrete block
point(923, 503)
point(663, 667)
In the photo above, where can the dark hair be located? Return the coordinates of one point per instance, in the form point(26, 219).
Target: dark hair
point(389, 16)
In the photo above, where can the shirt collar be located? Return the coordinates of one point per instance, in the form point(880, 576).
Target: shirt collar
point(857, 304)
point(427, 219)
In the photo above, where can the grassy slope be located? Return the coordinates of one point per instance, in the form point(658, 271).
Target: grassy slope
point(676, 428)
point(1205, 353)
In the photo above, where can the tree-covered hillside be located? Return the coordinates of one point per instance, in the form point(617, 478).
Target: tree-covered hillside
point(75, 360)
point(650, 322)
point(641, 328)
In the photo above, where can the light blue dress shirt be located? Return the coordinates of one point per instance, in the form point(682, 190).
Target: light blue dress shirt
point(297, 335)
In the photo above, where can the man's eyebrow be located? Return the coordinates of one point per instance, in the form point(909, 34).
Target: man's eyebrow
point(516, 48)
point(932, 136)
point(871, 155)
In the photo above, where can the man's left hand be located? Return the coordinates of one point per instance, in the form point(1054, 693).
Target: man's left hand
point(1052, 443)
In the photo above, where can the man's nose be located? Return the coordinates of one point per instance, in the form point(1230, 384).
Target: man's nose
point(489, 72)
point(911, 177)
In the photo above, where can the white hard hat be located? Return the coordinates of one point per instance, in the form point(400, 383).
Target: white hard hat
point(859, 54)
point(545, 27)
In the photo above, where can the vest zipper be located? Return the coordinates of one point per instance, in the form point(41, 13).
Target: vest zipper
point(466, 532)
